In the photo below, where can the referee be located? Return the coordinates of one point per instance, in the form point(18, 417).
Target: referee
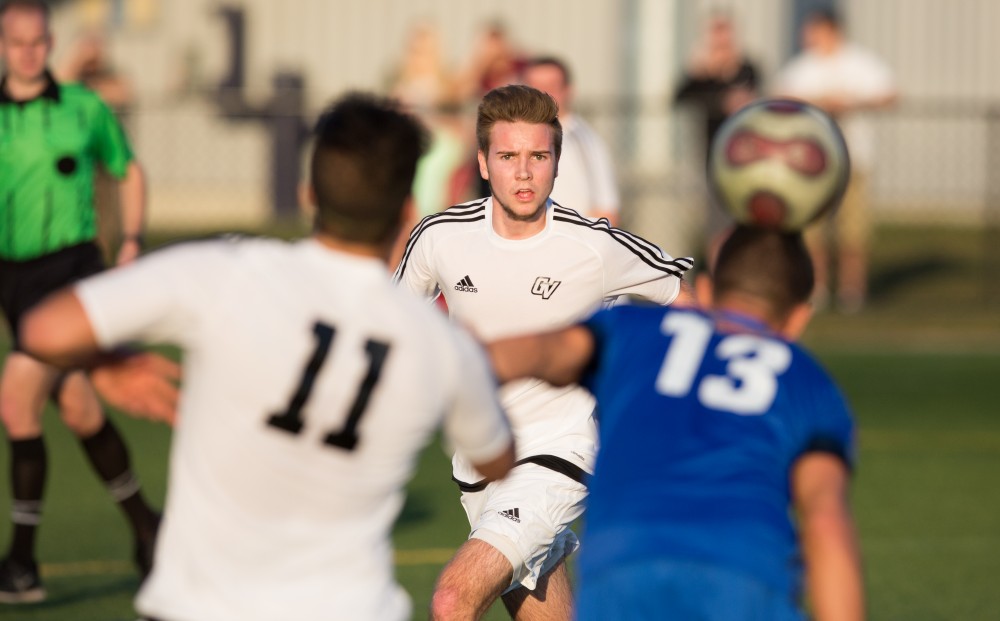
point(51, 138)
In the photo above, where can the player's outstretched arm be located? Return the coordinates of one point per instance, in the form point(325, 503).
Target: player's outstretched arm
point(58, 332)
point(829, 541)
point(558, 357)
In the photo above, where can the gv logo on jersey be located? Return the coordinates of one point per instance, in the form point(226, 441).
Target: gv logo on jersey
point(545, 287)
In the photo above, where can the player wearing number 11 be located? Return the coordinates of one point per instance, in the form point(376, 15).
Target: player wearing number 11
point(311, 383)
point(713, 426)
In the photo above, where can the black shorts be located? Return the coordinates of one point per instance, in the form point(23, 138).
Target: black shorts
point(25, 283)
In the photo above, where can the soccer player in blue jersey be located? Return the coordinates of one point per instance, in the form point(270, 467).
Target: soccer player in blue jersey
point(725, 454)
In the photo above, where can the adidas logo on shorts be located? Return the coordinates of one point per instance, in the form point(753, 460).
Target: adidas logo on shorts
point(512, 514)
point(466, 285)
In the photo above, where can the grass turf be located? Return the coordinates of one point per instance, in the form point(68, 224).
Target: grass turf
point(924, 496)
point(920, 367)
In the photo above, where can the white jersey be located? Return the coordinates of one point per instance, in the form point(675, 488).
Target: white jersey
point(311, 383)
point(586, 179)
point(501, 287)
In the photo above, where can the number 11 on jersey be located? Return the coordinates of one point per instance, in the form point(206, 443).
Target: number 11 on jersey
point(291, 419)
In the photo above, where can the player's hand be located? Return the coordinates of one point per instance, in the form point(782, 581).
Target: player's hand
point(129, 251)
point(142, 384)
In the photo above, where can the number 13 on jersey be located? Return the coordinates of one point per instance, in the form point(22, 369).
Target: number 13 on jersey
point(753, 364)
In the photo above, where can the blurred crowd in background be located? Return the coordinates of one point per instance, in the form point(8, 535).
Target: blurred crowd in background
point(925, 161)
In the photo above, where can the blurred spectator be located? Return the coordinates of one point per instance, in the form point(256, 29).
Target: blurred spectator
point(422, 81)
point(845, 80)
point(586, 180)
point(87, 63)
point(495, 61)
point(718, 80)
point(424, 84)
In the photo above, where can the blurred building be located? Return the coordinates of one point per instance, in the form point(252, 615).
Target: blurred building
point(204, 117)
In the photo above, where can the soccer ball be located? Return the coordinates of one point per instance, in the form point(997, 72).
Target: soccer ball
point(778, 163)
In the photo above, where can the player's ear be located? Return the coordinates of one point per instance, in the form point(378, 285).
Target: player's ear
point(307, 200)
point(703, 290)
point(797, 321)
point(483, 172)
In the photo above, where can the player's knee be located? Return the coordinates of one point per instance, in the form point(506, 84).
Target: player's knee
point(18, 417)
point(82, 414)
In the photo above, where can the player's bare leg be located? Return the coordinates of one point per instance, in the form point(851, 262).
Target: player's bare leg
point(471, 581)
point(79, 408)
point(24, 388)
point(83, 414)
point(552, 599)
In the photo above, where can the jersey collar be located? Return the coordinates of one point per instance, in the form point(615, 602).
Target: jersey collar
point(51, 91)
point(732, 321)
point(519, 243)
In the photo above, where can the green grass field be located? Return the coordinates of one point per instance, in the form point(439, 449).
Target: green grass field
point(921, 368)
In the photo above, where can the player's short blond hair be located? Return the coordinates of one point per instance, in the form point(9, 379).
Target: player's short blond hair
point(517, 103)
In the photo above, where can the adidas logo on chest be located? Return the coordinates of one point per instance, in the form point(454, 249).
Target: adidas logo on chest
point(466, 285)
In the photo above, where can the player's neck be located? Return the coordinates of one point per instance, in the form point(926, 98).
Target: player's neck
point(26, 89)
point(374, 251)
point(749, 307)
point(510, 227)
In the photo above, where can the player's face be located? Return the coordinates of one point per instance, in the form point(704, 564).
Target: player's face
point(549, 79)
point(521, 168)
point(25, 44)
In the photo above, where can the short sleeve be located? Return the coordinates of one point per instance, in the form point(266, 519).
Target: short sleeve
point(634, 266)
point(827, 424)
point(156, 299)
point(475, 425)
point(600, 325)
point(415, 271)
point(111, 146)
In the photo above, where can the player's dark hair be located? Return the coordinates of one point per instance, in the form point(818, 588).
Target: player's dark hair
point(769, 265)
point(363, 162)
point(551, 61)
point(826, 16)
point(24, 5)
point(513, 103)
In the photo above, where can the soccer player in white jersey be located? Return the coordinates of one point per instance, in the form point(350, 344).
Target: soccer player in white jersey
point(311, 383)
point(507, 264)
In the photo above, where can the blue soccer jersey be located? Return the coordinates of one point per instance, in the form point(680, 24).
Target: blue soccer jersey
point(699, 428)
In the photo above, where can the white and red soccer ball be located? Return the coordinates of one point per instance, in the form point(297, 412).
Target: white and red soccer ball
point(778, 163)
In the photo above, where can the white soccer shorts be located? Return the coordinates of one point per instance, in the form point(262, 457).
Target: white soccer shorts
point(527, 517)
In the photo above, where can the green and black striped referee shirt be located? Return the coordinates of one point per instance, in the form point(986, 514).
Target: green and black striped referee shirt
point(49, 146)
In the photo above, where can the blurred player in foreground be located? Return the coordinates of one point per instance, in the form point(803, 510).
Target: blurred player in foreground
point(712, 426)
point(311, 385)
point(507, 264)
